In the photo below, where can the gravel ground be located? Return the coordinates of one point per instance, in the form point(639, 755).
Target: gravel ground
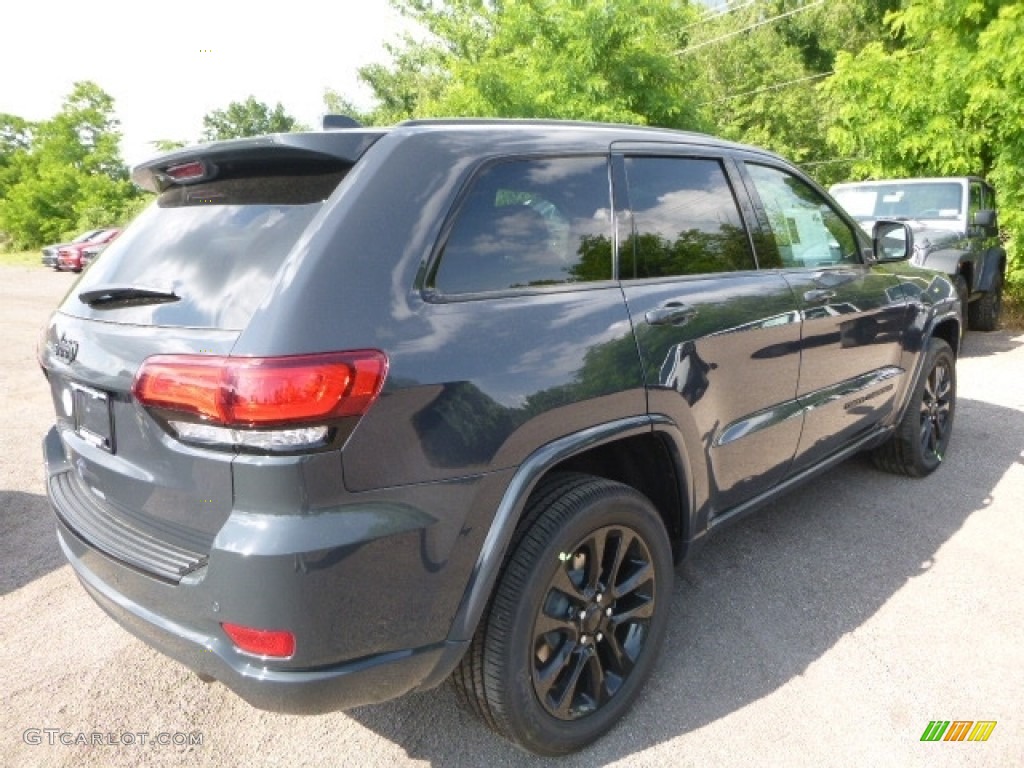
point(827, 630)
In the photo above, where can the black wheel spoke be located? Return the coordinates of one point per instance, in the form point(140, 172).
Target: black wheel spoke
point(643, 573)
point(594, 548)
point(642, 610)
point(619, 545)
point(563, 699)
point(549, 673)
point(567, 581)
point(618, 661)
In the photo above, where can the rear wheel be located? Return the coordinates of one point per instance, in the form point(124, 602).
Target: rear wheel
point(919, 444)
point(983, 314)
point(576, 619)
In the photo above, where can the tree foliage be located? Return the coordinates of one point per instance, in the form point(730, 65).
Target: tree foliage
point(612, 61)
point(63, 175)
point(246, 118)
point(950, 102)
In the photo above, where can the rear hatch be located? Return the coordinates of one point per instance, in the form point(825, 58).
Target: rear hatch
point(183, 279)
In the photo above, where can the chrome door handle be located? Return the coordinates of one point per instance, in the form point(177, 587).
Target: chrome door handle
point(818, 296)
point(672, 313)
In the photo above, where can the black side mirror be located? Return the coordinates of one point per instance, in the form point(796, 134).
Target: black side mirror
point(986, 219)
point(892, 241)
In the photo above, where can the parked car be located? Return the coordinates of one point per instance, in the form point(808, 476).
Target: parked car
point(50, 251)
point(76, 256)
point(955, 231)
point(347, 414)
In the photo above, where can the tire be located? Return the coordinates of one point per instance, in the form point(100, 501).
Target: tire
point(579, 612)
point(919, 444)
point(983, 314)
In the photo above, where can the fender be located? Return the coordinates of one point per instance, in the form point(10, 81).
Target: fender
point(492, 553)
point(993, 263)
point(510, 509)
point(934, 320)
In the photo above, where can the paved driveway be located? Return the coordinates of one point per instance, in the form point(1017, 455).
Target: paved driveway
point(829, 629)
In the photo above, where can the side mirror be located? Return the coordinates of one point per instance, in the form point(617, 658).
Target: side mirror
point(986, 219)
point(892, 241)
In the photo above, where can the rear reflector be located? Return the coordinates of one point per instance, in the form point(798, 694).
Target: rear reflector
point(261, 642)
point(263, 391)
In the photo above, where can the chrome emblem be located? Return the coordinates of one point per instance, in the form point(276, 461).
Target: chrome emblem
point(66, 349)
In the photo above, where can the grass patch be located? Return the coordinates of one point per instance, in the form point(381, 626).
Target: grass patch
point(22, 258)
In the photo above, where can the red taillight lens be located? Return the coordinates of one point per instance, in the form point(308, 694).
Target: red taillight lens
point(263, 391)
point(187, 171)
point(261, 642)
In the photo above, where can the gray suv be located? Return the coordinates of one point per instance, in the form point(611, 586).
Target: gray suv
point(955, 231)
point(348, 414)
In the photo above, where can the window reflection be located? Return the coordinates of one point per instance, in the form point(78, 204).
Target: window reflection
point(686, 220)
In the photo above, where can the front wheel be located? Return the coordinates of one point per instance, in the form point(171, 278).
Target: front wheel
point(919, 444)
point(576, 620)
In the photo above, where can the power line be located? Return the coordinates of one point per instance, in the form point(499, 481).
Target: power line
point(773, 87)
point(747, 29)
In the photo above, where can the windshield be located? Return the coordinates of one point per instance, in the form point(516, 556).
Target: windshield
point(940, 200)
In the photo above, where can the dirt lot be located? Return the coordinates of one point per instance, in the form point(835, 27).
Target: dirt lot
point(827, 630)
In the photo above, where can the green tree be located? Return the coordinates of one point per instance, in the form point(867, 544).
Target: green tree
point(760, 64)
point(613, 61)
point(949, 103)
point(246, 118)
point(66, 173)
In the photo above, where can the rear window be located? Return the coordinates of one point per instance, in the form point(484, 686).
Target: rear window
point(217, 245)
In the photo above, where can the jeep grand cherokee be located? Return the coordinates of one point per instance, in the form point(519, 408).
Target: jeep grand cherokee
point(348, 414)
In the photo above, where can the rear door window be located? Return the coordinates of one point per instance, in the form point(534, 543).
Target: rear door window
point(530, 223)
point(685, 220)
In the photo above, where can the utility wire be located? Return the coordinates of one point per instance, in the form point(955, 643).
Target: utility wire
point(773, 87)
point(773, 19)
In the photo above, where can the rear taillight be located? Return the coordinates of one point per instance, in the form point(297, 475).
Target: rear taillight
point(261, 642)
point(278, 402)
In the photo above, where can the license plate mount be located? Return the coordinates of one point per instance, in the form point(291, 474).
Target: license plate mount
point(94, 419)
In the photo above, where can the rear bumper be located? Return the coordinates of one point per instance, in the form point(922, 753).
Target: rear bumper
point(368, 588)
point(369, 680)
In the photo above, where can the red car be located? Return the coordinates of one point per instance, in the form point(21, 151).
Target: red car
point(76, 256)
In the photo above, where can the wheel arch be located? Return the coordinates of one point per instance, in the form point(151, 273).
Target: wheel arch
point(633, 451)
point(993, 265)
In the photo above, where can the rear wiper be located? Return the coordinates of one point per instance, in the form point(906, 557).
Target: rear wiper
point(111, 296)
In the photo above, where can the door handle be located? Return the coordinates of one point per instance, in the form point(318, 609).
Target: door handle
point(818, 296)
point(672, 313)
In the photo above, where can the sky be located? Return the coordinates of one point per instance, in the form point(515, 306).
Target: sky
point(168, 64)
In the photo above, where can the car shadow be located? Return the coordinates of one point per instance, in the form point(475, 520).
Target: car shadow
point(29, 542)
point(762, 601)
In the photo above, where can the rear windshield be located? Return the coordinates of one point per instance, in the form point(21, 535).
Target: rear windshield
point(217, 245)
